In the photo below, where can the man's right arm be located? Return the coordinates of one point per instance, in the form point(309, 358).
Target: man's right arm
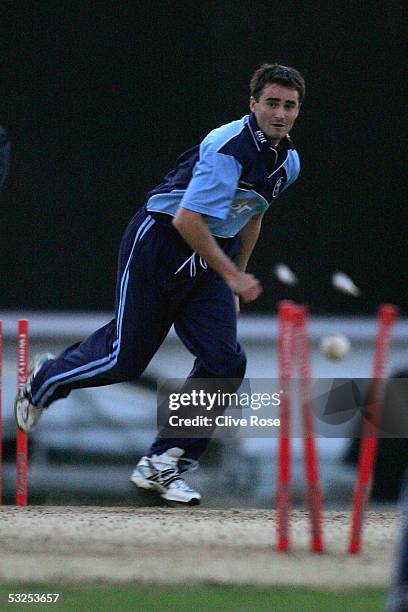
point(195, 232)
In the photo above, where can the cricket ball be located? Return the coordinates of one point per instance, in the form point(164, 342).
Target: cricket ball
point(335, 348)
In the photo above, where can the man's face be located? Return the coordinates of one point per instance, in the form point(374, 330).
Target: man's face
point(276, 111)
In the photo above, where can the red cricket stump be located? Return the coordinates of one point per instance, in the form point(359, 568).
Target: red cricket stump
point(22, 445)
point(1, 412)
point(285, 358)
point(313, 490)
point(387, 315)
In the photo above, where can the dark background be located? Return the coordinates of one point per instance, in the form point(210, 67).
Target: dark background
point(100, 98)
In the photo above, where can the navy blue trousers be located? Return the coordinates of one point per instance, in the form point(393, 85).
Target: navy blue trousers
point(160, 282)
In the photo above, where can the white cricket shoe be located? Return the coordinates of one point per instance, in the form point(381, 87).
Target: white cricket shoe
point(27, 415)
point(161, 473)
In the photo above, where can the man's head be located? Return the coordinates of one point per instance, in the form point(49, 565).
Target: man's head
point(276, 95)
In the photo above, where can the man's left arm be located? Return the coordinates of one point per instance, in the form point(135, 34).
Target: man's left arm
point(249, 236)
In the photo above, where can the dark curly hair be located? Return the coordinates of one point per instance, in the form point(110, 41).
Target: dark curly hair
point(275, 73)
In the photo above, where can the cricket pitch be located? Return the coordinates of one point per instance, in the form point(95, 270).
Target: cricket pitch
point(186, 546)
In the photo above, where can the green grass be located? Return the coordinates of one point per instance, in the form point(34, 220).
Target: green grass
point(126, 598)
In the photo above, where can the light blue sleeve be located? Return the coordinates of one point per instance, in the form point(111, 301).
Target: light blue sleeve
point(214, 182)
point(292, 168)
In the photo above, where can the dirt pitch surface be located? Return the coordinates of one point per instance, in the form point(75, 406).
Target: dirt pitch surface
point(185, 546)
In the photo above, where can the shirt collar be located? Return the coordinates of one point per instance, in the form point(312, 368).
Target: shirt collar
point(261, 140)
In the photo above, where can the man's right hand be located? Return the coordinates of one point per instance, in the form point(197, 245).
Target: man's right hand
point(245, 285)
point(195, 232)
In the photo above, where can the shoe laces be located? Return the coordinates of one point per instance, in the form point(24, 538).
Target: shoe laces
point(167, 473)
